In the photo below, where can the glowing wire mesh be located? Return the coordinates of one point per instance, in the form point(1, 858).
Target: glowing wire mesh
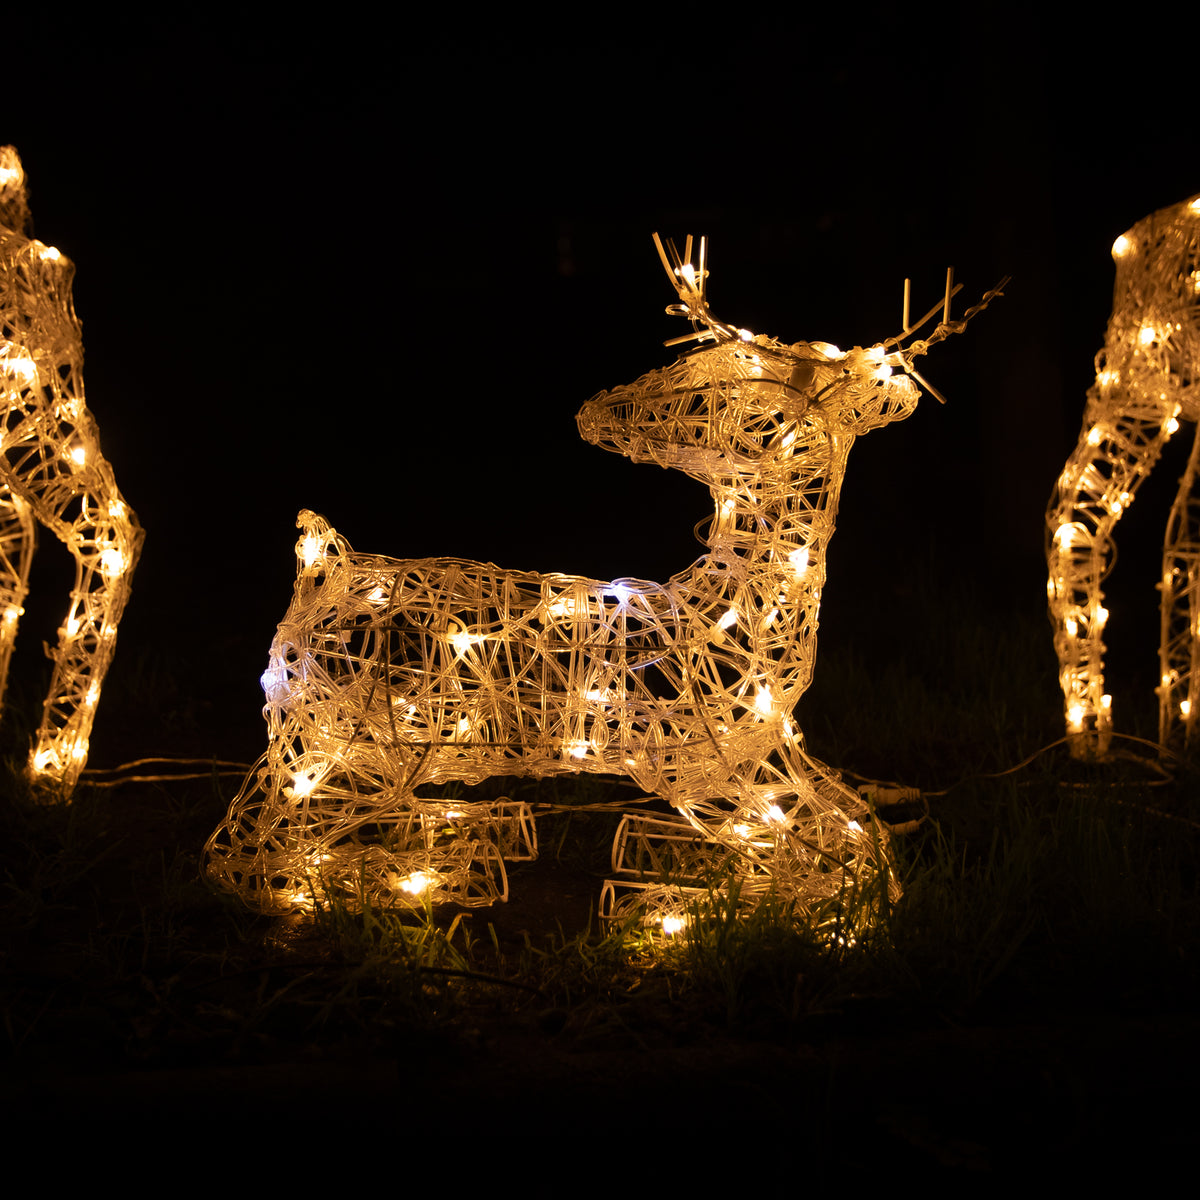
point(52, 472)
point(1145, 385)
point(385, 675)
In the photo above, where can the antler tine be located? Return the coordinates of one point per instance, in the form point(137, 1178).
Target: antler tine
point(943, 330)
point(940, 306)
point(670, 267)
point(683, 278)
point(689, 283)
point(681, 271)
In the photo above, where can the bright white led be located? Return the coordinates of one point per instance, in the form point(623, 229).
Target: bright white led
point(312, 550)
point(415, 884)
point(302, 786)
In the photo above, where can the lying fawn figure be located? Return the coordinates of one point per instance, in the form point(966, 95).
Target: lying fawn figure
point(1146, 383)
point(385, 674)
point(52, 472)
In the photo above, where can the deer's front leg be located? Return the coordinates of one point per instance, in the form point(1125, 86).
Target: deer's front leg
point(1122, 437)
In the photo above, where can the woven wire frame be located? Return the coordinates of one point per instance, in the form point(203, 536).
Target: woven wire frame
point(52, 473)
point(1146, 385)
point(387, 675)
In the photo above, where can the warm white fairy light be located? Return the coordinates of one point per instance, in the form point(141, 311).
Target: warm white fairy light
point(416, 884)
point(52, 473)
point(302, 786)
point(466, 671)
point(1145, 383)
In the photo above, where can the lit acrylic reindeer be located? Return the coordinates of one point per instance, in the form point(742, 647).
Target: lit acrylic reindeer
point(387, 674)
point(52, 473)
point(1146, 383)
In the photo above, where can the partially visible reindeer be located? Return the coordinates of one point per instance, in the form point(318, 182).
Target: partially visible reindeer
point(52, 472)
point(1147, 381)
point(386, 675)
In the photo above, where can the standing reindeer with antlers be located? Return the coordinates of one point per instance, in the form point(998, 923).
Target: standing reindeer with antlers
point(52, 472)
point(386, 674)
point(1146, 382)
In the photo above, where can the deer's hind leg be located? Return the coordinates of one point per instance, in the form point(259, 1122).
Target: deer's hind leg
point(1122, 438)
point(84, 508)
point(1179, 650)
point(18, 539)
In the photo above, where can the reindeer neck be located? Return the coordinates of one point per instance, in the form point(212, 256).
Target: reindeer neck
point(770, 528)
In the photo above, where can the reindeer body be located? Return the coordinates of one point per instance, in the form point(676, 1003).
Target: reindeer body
point(1146, 384)
point(389, 674)
point(52, 473)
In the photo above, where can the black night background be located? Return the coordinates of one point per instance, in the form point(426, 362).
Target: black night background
point(375, 273)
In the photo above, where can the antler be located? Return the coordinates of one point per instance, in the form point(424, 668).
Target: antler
point(903, 358)
point(688, 281)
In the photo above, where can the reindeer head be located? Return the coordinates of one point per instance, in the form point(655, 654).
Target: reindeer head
point(735, 403)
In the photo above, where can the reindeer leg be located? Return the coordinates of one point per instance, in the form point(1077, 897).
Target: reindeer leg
point(1122, 438)
point(104, 538)
point(1179, 651)
point(18, 539)
point(787, 824)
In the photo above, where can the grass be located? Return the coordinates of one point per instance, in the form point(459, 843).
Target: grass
point(1055, 908)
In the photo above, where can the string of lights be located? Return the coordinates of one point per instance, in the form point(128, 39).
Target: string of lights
point(387, 676)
